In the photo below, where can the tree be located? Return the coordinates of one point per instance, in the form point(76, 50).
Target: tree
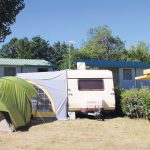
point(62, 55)
point(102, 43)
point(9, 49)
point(40, 49)
point(139, 52)
point(64, 63)
point(8, 11)
point(58, 53)
point(37, 48)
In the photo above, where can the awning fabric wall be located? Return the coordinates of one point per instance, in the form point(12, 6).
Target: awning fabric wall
point(55, 83)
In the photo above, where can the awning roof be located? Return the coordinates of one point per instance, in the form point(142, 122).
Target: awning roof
point(144, 77)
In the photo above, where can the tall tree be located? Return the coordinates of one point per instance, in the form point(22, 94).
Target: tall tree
point(58, 52)
point(102, 43)
point(9, 49)
point(40, 48)
point(8, 11)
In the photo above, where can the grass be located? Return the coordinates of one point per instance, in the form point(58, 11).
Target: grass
point(81, 134)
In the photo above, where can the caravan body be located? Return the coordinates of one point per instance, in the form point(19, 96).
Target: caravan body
point(89, 90)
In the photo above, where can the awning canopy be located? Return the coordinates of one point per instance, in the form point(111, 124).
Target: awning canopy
point(144, 77)
point(55, 85)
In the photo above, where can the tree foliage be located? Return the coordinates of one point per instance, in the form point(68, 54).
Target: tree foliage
point(139, 52)
point(101, 44)
point(37, 48)
point(59, 52)
point(8, 11)
point(64, 63)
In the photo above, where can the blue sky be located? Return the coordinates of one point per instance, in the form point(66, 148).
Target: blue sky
point(65, 20)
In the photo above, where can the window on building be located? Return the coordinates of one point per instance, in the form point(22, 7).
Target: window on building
point(127, 74)
point(9, 71)
point(42, 69)
point(90, 84)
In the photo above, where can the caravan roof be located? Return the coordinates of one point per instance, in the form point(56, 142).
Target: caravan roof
point(89, 74)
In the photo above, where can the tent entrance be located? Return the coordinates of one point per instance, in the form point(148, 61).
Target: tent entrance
point(5, 122)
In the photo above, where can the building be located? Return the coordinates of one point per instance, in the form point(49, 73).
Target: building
point(10, 67)
point(124, 73)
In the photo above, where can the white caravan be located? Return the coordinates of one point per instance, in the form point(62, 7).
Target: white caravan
point(90, 90)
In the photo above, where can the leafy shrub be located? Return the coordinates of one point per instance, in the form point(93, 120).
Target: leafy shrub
point(118, 110)
point(136, 103)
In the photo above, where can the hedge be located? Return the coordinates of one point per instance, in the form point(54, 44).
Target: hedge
point(136, 103)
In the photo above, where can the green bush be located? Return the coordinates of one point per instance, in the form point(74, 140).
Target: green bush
point(118, 109)
point(136, 103)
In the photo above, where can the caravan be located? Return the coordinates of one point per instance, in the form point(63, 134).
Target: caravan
point(88, 91)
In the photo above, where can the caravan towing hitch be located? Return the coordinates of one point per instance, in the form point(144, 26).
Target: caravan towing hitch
point(99, 114)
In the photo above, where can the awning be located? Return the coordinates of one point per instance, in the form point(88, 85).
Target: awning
point(144, 77)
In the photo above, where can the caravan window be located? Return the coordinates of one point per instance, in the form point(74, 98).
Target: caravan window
point(90, 84)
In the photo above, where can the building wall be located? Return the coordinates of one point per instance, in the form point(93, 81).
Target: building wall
point(127, 84)
point(22, 69)
point(1, 71)
point(29, 69)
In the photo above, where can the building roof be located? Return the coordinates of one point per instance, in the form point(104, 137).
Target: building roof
point(115, 64)
point(24, 62)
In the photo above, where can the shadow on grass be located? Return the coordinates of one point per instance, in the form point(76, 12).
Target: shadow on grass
point(36, 122)
point(108, 115)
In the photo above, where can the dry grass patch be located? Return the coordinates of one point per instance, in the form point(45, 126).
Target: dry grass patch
point(81, 134)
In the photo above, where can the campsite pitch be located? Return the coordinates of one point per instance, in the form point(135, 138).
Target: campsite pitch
point(81, 134)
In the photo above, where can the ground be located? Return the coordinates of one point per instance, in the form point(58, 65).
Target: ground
point(81, 134)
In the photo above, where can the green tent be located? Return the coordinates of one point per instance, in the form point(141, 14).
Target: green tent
point(15, 100)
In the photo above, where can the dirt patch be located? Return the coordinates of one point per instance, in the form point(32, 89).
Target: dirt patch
point(81, 134)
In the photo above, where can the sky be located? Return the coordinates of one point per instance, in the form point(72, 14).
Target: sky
point(65, 20)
